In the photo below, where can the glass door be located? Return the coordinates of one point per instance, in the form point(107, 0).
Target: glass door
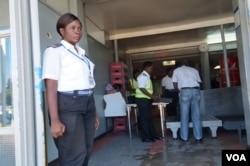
point(7, 142)
point(7, 137)
point(6, 109)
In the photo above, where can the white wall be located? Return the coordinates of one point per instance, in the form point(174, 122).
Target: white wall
point(101, 57)
point(4, 13)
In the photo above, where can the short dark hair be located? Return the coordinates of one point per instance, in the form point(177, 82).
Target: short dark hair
point(168, 69)
point(147, 64)
point(64, 20)
point(135, 72)
point(184, 63)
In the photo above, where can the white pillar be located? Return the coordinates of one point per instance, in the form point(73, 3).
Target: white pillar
point(23, 45)
point(242, 25)
point(225, 56)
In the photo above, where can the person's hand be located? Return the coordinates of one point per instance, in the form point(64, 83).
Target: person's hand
point(96, 122)
point(133, 90)
point(155, 98)
point(57, 129)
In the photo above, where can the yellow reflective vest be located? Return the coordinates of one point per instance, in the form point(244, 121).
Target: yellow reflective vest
point(133, 84)
point(148, 87)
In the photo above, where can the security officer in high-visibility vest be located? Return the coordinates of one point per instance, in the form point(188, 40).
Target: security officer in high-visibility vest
point(144, 97)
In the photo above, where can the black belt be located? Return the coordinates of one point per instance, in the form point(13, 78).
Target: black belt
point(196, 87)
point(170, 90)
point(85, 92)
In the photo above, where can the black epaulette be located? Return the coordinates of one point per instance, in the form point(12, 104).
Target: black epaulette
point(55, 45)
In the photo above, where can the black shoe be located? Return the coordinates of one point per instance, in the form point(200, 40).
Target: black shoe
point(157, 137)
point(198, 140)
point(182, 139)
point(152, 140)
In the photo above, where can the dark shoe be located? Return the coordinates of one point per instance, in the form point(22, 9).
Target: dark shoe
point(146, 140)
point(198, 140)
point(182, 139)
point(152, 140)
point(157, 137)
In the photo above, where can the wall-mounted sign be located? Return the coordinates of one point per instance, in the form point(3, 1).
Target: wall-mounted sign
point(236, 18)
point(163, 54)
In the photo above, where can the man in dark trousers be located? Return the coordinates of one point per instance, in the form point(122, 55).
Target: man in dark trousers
point(144, 97)
point(170, 92)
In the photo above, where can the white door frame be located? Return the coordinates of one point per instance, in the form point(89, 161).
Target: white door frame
point(26, 82)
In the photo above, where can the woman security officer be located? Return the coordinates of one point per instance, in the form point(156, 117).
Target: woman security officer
point(69, 79)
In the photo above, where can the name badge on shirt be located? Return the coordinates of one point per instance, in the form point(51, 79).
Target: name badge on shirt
point(91, 80)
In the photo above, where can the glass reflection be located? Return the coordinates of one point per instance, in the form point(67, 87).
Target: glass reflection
point(6, 111)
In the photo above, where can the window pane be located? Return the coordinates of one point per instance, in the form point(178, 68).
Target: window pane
point(6, 111)
point(217, 77)
point(7, 138)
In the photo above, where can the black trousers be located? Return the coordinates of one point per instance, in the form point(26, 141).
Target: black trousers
point(78, 114)
point(172, 107)
point(131, 99)
point(148, 130)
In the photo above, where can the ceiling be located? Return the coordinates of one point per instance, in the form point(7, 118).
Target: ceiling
point(158, 30)
point(152, 25)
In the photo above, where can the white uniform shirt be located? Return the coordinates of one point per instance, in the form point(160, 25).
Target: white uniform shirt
point(167, 82)
point(60, 63)
point(186, 77)
point(142, 79)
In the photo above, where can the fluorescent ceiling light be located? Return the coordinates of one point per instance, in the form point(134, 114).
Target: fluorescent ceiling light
point(168, 63)
point(217, 67)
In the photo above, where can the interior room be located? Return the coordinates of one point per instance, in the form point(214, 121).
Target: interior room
point(123, 34)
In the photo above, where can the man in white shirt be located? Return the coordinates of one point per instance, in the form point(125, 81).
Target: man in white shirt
point(186, 81)
point(169, 91)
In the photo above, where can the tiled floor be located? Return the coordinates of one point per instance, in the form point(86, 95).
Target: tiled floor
point(117, 149)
